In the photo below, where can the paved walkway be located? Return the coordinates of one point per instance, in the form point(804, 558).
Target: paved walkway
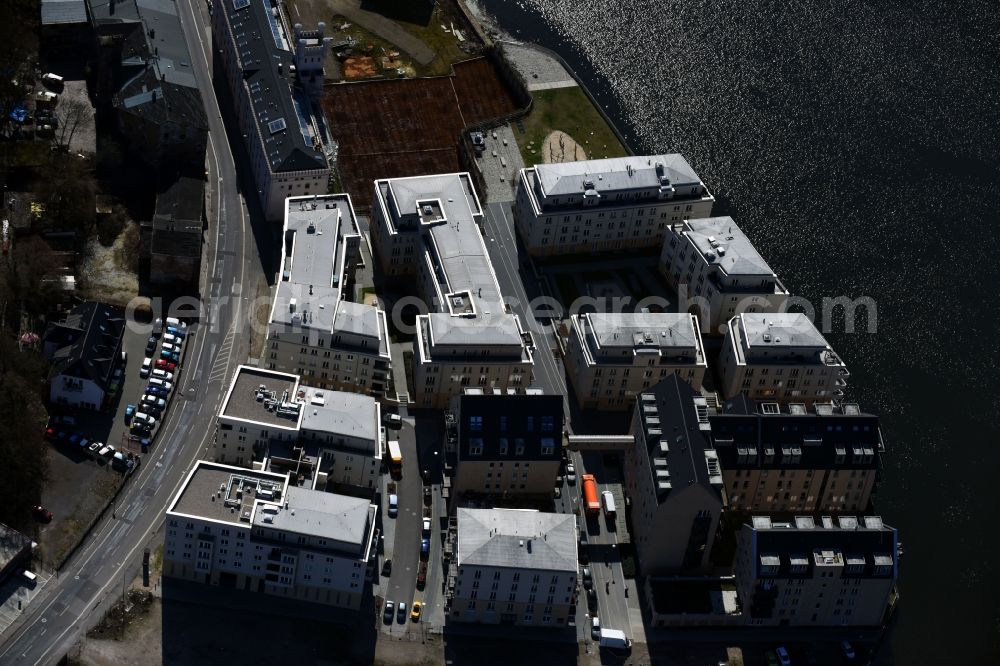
point(385, 28)
point(540, 70)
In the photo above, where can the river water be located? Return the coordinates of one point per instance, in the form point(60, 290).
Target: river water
point(856, 142)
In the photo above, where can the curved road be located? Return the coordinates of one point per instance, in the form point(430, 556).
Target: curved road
point(71, 602)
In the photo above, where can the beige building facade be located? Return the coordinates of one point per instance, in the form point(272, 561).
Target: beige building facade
point(430, 227)
point(612, 357)
point(718, 273)
point(780, 357)
point(606, 205)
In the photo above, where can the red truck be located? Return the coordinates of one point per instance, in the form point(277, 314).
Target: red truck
point(590, 497)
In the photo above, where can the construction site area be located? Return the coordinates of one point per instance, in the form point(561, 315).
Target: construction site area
point(410, 127)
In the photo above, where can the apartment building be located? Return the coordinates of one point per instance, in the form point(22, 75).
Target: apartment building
point(779, 357)
point(673, 477)
point(274, 79)
point(796, 460)
point(838, 572)
point(316, 330)
point(612, 357)
point(328, 439)
point(507, 445)
point(255, 530)
point(429, 227)
point(513, 566)
point(605, 205)
point(717, 272)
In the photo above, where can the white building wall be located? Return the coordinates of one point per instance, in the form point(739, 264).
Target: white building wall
point(75, 392)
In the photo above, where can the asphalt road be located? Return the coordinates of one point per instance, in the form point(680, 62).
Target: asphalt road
point(111, 555)
point(501, 241)
point(406, 528)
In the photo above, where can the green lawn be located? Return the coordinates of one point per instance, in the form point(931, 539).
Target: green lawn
point(569, 110)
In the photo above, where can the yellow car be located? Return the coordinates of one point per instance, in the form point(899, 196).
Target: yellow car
point(415, 611)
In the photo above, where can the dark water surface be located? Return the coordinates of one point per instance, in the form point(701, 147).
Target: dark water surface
point(857, 144)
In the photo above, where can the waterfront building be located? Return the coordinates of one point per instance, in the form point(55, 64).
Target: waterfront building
point(326, 438)
point(595, 206)
point(507, 445)
point(717, 272)
point(673, 478)
point(513, 566)
point(837, 572)
point(274, 79)
point(255, 530)
point(429, 227)
point(612, 357)
point(316, 330)
point(784, 460)
point(779, 357)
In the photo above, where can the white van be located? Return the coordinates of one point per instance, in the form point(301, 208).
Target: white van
point(609, 502)
point(45, 96)
point(147, 364)
point(54, 79)
point(163, 374)
point(30, 577)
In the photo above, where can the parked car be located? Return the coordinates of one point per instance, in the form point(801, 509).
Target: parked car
point(83, 443)
point(171, 356)
point(393, 506)
point(427, 495)
point(847, 649)
point(425, 547)
point(401, 612)
point(177, 331)
point(592, 600)
point(595, 628)
point(387, 568)
point(163, 364)
point(163, 374)
point(153, 400)
point(415, 611)
point(129, 412)
point(143, 419)
point(588, 578)
point(422, 576)
point(394, 421)
point(154, 389)
point(95, 447)
point(156, 381)
point(73, 438)
point(157, 326)
point(783, 657)
point(50, 433)
point(390, 609)
point(150, 346)
point(570, 474)
point(107, 451)
point(42, 514)
point(427, 527)
point(64, 419)
point(166, 346)
point(145, 368)
point(557, 493)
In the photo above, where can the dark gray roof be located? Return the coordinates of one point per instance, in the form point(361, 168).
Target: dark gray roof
point(266, 71)
point(89, 341)
point(516, 418)
point(63, 11)
point(180, 199)
point(161, 101)
point(748, 435)
point(674, 421)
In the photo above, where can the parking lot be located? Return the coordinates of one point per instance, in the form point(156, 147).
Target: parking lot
point(80, 482)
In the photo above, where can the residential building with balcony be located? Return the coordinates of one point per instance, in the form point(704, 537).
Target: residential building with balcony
point(673, 476)
point(326, 439)
point(316, 330)
point(797, 460)
point(507, 445)
point(835, 572)
point(612, 357)
point(594, 206)
point(513, 566)
point(275, 79)
point(718, 273)
point(779, 357)
point(255, 530)
point(429, 227)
